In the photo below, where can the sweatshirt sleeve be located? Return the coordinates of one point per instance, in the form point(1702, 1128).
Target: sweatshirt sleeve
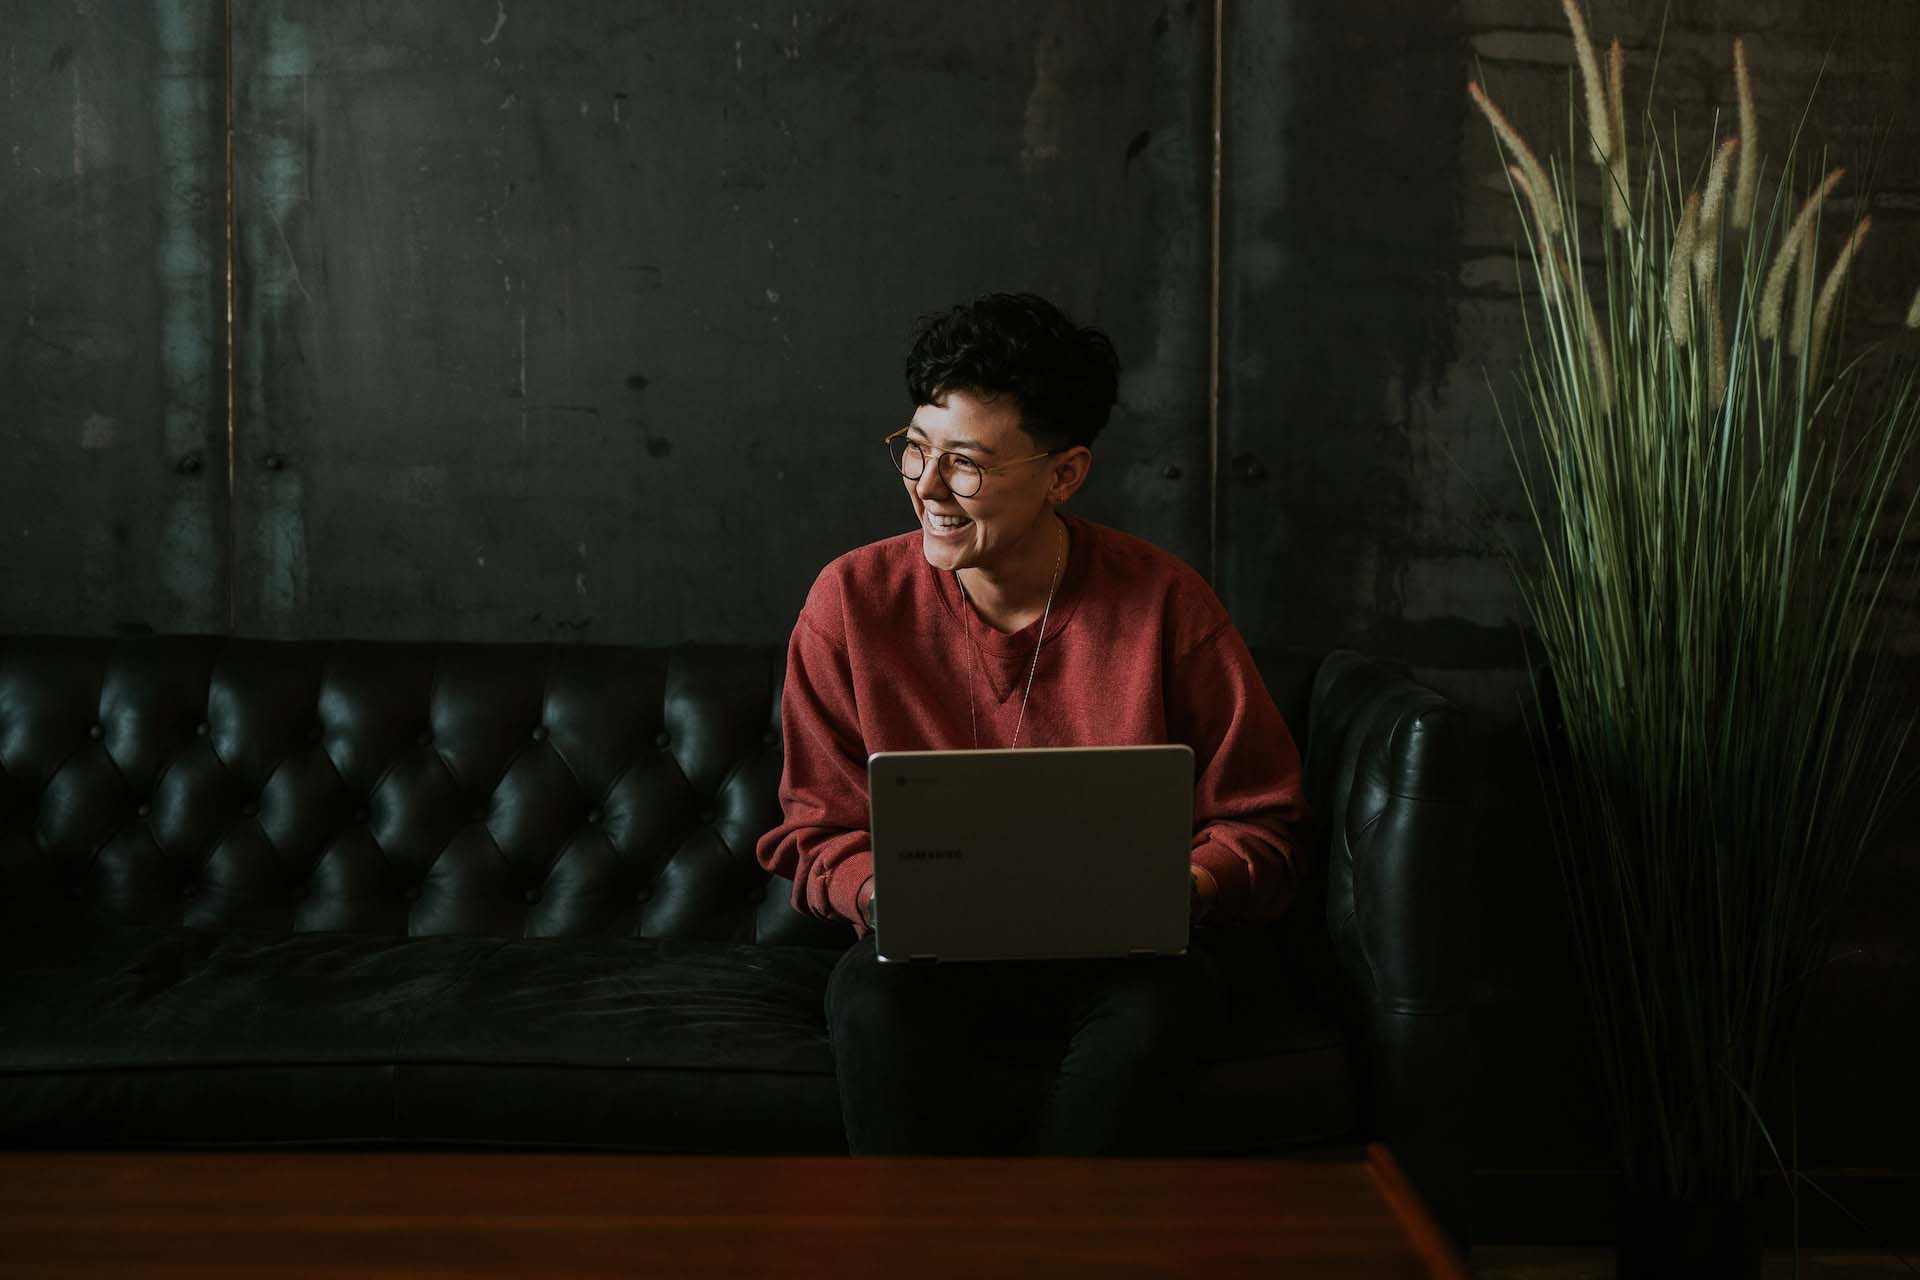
point(1249, 801)
point(822, 843)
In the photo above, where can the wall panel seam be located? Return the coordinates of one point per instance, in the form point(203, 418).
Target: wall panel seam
point(233, 403)
point(1214, 301)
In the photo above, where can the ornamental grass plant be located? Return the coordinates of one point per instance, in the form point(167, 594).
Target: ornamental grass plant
point(1720, 518)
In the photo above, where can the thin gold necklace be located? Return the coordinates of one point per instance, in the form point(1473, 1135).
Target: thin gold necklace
point(973, 651)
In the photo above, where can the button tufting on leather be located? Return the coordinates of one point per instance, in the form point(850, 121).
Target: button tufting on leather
point(412, 893)
point(95, 732)
point(532, 896)
point(770, 737)
point(643, 897)
point(186, 890)
point(539, 733)
point(200, 730)
point(665, 739)
point(361, 815)
point(424, 738)
point(594, 816)
point(758, 894)
point(479, 813)
point(315, 734)
point(143, 810)
point(708, 815)
point(249, 809)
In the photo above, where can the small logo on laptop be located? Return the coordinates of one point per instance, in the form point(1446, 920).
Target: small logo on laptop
point(921, 855)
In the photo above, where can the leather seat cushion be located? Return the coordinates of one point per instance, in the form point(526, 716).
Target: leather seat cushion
point(180, 1037)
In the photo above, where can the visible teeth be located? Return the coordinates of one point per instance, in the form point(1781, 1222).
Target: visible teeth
point(950, 522)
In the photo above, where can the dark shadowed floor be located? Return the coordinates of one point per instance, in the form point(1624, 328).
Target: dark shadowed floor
point(1534, 1263)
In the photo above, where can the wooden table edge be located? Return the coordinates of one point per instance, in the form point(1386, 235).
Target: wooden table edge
point(1427, 1238)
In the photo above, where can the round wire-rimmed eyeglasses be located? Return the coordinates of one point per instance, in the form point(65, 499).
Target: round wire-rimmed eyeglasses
point(963, 475)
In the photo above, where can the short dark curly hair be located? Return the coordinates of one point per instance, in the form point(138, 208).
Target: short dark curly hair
point(1064, 377)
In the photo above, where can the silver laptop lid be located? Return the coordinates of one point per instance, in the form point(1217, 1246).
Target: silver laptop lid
point(1040, 852)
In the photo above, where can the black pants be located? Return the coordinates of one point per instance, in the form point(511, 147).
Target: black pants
point(932, 1059)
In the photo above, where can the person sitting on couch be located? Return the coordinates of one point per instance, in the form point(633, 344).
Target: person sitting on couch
point(1002, 622)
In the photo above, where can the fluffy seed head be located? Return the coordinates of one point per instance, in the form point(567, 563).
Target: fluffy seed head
point(1617, 115)
point(1707, 291)
point(1525, 188)
point(1546, 206)
point(1717, 336)
point(1680, 273)
point(1830, 291)
point(1706, 243)
point(1749, 180)
point(1802, 301)
point(1598, 118)
point(1773, 296)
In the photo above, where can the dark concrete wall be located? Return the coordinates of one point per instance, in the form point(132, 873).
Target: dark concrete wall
point(585, 320)
point(582, 320)
point(113, 477)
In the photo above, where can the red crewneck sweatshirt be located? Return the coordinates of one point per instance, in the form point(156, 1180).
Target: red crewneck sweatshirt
point(1138, 651)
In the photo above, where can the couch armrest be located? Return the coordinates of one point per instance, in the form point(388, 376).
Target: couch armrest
point(1393, 771)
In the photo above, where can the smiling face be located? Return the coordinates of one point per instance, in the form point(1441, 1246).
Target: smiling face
point(1009, 520)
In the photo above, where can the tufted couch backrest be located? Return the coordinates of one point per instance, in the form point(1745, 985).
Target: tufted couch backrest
point(548, 791)
point(514, 790)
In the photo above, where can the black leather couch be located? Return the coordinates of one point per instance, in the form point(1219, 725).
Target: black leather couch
point(270, 893)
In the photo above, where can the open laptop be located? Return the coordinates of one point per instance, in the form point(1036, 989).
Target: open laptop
point(1045, 852)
